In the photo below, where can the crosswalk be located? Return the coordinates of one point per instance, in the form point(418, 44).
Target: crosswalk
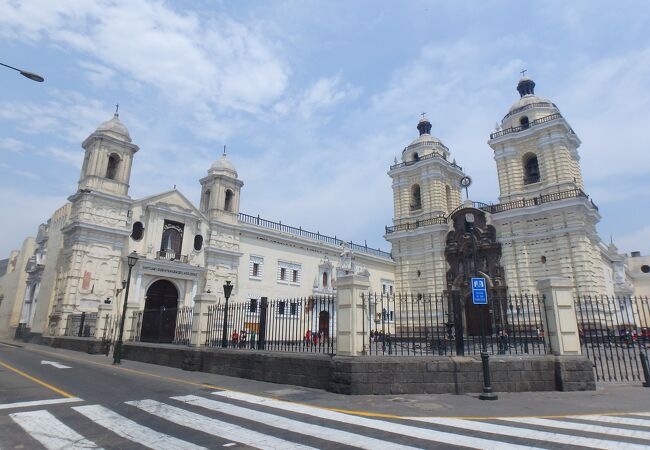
point(228, 419)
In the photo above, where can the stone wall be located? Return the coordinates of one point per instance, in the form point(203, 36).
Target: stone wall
point(376, 375)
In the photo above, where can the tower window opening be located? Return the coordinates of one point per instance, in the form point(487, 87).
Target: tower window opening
point(206, 200)
point(113, 163)
point(324, 279)
point(416, 157)
point(416, 199)
point(524, 122)
point(228, 202)
point(531, 170)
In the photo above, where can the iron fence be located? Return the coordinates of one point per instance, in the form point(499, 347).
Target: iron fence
point(614, 335)
point(425, 325)
point(289, 325)
point(81, 324)
point(111, 326)
point(163, 325)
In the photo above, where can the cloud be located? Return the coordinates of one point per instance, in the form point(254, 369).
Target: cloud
point(638, 240)
point(13, 145)
point(188, 57)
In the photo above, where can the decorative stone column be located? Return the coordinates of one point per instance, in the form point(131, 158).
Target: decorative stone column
point(103, 310)
point(351, 314)
point(559, 316)
point(202, 303)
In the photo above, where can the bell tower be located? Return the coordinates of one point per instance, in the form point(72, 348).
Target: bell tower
point(426, 189)
point(109, 155)
point(220, 192)
point(545, 222)
point(535, 148)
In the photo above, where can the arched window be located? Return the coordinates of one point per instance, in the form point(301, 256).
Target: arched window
point(416, 200)
point(113, 163)
point(416, 157)
point(198, 242)
point(228, 202)
point(206, 200)
point(531, 169)
point(137, 231)
point(524, 122)
point(324, 279)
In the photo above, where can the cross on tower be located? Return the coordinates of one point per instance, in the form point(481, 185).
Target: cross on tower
point(523, 72)
point(224, 150)
point(423, 114)
point(117, 108)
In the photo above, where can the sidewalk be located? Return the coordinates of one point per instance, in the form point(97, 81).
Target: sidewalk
point(607, 399)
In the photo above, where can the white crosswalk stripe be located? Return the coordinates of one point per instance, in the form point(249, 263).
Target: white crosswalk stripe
point(50, 431)
point(215, 427)
point(596, 431)
point(396, 428)
point(547, 436)
point(342, 437)
point(133, 431)
point(590, 428)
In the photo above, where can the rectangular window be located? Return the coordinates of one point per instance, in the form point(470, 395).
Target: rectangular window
point(386, 286)
point(289, 273)
point(281, 308)
point(255, 267)
point(293, 309)
point(253, 306)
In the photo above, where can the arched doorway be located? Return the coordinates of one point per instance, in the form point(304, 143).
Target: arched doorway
point(324, 323)
point(160, 308)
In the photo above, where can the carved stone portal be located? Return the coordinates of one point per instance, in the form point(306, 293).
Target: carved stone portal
point(472, 250)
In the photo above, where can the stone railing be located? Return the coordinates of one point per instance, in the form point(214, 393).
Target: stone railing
point(525, 127)
point(495, 209)
point(424, 158)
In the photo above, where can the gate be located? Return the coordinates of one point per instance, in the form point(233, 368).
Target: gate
point(614, 335)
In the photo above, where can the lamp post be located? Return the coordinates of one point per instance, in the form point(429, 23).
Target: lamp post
point(26, 74)
point(131, 260)
point(227, 290)
point(487, 393)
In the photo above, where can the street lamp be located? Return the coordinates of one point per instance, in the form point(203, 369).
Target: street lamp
point(131, 260)
point(227, 290)
point(26, 74)
point(487, 393)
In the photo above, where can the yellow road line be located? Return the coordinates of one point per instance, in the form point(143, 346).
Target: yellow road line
point(36, 380)
point(345, 411)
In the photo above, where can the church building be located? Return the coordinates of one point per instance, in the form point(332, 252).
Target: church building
point(543, 225)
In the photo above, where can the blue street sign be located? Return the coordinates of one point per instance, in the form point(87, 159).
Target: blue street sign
point(479, 291)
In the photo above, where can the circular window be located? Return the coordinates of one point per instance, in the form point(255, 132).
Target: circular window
point(543, 259)
point(645, 268)
point(198, 242)
point(138, 231)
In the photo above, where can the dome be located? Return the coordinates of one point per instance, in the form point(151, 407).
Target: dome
point(223, 164)
point(526, 89)
point(114, 127)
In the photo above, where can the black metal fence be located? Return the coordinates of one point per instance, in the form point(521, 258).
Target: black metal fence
point(614, 335)
point(163, 325)
point(81, 324)
point(425, 324)
point(109, 332)
point(289, 325)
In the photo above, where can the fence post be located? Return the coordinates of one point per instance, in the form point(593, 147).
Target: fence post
point(202, 303)
point(261, 336)
point(559, 318)
point(103, 311)
point(351, 314)
point(81, 324)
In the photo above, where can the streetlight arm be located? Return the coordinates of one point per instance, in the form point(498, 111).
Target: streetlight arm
point(31, 75)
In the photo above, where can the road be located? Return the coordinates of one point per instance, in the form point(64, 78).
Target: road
point(62, 400)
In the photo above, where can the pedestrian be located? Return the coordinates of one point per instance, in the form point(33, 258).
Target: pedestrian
point(242, 339)
point(234, 338)
point(315, 339)
point(253, 339)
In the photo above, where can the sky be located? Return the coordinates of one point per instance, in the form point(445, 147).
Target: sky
point(315, 99)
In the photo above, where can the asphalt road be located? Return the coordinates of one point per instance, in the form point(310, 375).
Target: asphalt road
point(59, 399)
